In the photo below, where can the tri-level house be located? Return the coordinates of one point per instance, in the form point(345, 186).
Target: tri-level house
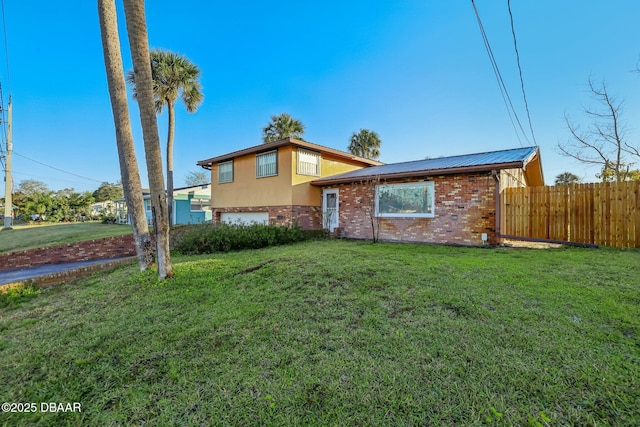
point(271, 183)
point(455, 200)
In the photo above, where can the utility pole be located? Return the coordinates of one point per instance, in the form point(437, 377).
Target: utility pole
point(8, 186)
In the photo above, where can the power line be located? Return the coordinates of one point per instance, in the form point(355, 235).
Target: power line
point(503, 89)
point(524, 95)
point(58, 169)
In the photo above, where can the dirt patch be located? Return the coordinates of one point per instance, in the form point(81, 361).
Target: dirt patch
point(530, 245)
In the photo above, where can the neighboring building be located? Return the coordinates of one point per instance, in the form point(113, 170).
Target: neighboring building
point(271, 183)
point(445, 200)
point(191, 205)
point(107, 208)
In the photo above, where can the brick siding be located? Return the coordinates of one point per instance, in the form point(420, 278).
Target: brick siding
point(109, 247)
point(464, 209)
point(307, 217)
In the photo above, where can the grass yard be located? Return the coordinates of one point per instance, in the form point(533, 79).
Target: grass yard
point(23, 237)
point(336, 333)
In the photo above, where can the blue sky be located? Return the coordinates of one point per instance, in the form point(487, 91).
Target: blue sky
point(416, 72)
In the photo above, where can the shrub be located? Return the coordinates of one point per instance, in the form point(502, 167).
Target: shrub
point(14, 295)
point(208, 238)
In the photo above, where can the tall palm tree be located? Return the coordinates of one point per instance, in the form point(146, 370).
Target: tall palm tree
point(124, 138)
point(174, 76)
point(365, 143)
point(282, 126)
point(139, 46)
point(567, 178)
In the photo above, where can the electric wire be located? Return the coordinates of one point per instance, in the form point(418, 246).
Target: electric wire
point(55, 168)
point(524, 94)
point(503, 89)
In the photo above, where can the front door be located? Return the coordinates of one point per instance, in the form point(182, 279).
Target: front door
point(330, 208)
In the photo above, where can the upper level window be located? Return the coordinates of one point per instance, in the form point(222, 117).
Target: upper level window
point(267, 164)
point(308, 163)
point(225, 172)
point(147, 205)
point(412, 200)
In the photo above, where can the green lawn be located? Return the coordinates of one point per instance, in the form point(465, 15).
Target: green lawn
point(23, 237)
point(336, 333)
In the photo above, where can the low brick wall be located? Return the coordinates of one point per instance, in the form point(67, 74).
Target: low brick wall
point(109, 247)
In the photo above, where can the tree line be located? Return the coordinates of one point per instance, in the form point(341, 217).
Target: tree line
point(33, 200)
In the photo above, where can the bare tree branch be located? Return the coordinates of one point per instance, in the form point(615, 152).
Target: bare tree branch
point(604, 142)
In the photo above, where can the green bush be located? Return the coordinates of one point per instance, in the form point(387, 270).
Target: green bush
point(17, 294)
point(209, 238)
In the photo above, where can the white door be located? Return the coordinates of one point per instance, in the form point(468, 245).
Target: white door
point(330, 208)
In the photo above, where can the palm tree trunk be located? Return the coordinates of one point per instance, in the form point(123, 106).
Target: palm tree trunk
point(139, 45)
point(170, 133)
point(129, 172)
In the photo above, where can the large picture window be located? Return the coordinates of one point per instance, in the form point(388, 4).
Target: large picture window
point(225, 172)
point(412, 200)
point(308, 163)
point(267, 164)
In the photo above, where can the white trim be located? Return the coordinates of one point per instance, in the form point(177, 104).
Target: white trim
point(430, 188)
point(174, 211)
point(330, 221)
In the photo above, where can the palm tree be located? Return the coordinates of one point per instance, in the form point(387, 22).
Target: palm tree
point(567, 178)
point(139, 46)
point(365, 143)
point(282, 126)
point(129, 172)
point(174, 76)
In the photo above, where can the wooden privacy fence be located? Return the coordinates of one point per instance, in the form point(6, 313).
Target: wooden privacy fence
point(601, 213)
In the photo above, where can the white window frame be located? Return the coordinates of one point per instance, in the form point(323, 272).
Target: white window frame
point(430, 188)
point(273, 153)
point(308, 168)
point(225, 181)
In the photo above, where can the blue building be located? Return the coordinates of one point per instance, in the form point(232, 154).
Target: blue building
point(191, 205)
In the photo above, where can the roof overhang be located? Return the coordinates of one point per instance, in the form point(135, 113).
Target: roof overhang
point(422, 173)
point(532, 167)
point(206, 164)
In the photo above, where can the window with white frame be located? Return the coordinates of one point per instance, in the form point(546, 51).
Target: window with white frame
point(147, 205)
point(225, 172)
point(267, 164)
point(408, 200)
point(200, 205)
point(308, 162)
